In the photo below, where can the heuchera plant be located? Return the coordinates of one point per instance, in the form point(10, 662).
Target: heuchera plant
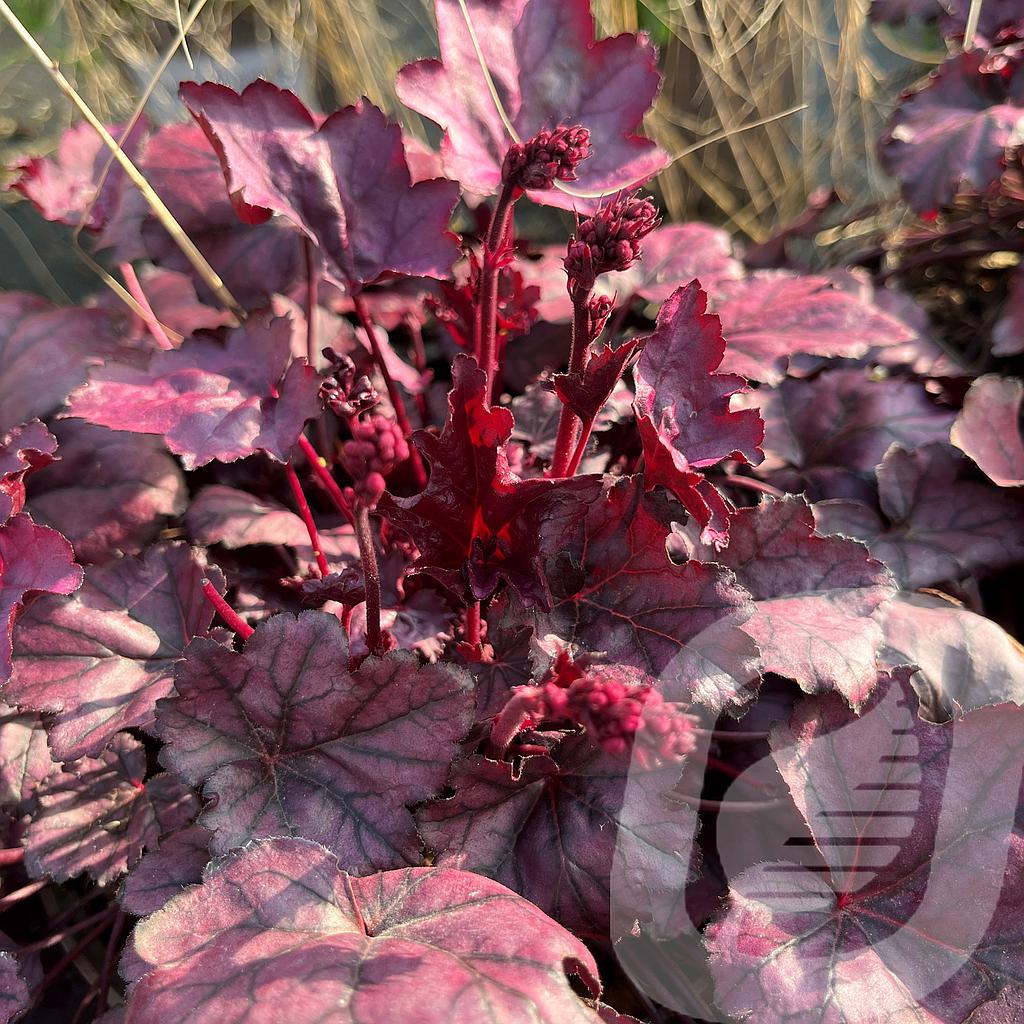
point(387, 644)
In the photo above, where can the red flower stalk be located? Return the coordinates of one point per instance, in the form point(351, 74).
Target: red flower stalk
point(607, 241)
point(617, 716)
point(548, 157)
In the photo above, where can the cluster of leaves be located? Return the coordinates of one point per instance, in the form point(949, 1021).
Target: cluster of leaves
point(515, 579)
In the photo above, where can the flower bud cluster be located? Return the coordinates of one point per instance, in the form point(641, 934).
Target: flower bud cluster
point(376, 448)
point(548, 157)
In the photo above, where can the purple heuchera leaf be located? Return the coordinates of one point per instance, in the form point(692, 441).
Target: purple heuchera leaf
point(835, 429)
point(101, 658)
point(988, 428)
point(24, 756)
point(554, 828)
point(25, 449)
point(939, 524)
point(62, 186)
point(235, 518)
point(109, 493)
point(291, 742)
point(683, 410)
point(814, 597)
point(549, 71)
point(952, 133)
point(477, 523)
point(343, 181)
point(279, 925)
point(45, 353)
point(903, 814)
point(164, 872)
point(964, 661)
point(774, 315)
point(14, 993)
point(587, 392)
point(616, 592)
point(98, 815)
point(33, 559)
point(1008, 333)
point(211, 400)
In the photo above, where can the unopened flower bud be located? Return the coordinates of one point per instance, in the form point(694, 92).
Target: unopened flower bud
point(548, 157)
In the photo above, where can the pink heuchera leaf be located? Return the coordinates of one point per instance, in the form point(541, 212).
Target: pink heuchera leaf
point(774, 315)
point(682, 409)
point(109, 493)
point(903, 814)
point(988, 428)
point(616, 591)
point(14, 992)
point(835, 428)
point(814, 597)
point(951, 135)
point(98, 815)
point(477, 523)
point(100, 659)
point(1008, 333)
point(277, 924)
point(343, 181)
point(33, 559)
point(937, 524)
point(181, 165)
point(24, 756)
point(554, 828)
point(211, 400)
point(25, 449)
point(45, 353)
point(964, 661)
point(63, 185)
point(290, 742)
point(549, 71)
point(162, 873)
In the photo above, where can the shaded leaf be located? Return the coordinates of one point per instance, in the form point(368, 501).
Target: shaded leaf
point(278, 924)
point(988, 428)
point(549, 71)
point(211, 400)
point(14, 993)
point(290, 742)
point(24, 756)
point(235, 518)
point(343, 181)
point(162, 873)
point(101, 658)
point(98, 815)
point(110, 492)
point(903, 814)
point(683, 409)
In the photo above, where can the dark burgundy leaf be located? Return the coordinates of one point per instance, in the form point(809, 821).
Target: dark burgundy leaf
point(536, 414)
point(951, 135)
point(181, 165)
point(25, 449)
point(477, 523)
point(773, 316)
point(32, 559)
point(549, 71)
point(814, 597)
point(62, 186)
point(683, 409)
point(110, 492)
point(165, 871)
point(555, 828)
point(211, 400)
point(279, 925)
point(98, 815)
point(988, 428)
point(508, 639)
point(904, 814)
point(937, 522)
point(835, 428)
point(24, 756)
point(586, 392)
point(964, 661)
point(290, 742)
point(616, 591)
point(45, 353)
point(14, 993)
point(100, 659)
point(344, 182)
